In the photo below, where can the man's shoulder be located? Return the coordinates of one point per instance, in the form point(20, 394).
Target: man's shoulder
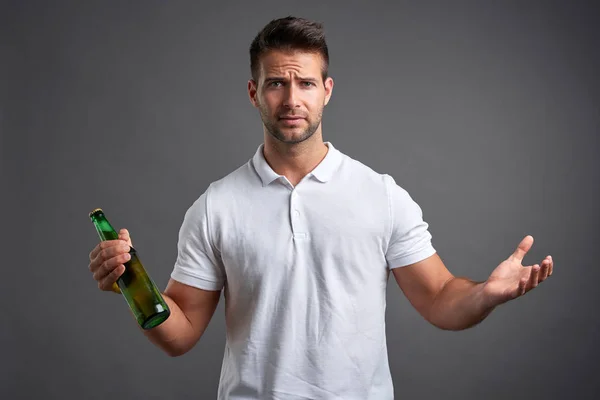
point(237, 179)
point(351, 168)
point(357, 174)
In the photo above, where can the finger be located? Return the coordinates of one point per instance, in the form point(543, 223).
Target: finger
point(523, 248)
point(106, 283)
point(551, 267)
point(535, 273)
point(544, 270)
point(105, 244)
point(113, 249)
point(108, 266)
point(124, 235)
point(523, 286)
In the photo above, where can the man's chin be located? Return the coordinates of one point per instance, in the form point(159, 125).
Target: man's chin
point(290, 137)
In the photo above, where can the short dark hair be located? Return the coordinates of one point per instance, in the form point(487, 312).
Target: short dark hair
point(288, 34)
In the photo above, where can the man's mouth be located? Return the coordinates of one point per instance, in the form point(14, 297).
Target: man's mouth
point(291, 117)
point(291, 121)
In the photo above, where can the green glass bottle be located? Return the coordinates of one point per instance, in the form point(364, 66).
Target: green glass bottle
point(144, 299)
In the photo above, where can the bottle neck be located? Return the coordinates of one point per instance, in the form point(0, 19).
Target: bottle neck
point(104, 228)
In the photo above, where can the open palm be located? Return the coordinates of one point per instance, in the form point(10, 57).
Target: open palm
point(511, 279)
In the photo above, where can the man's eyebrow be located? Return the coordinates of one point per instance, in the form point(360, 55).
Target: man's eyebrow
point(274, 78)
point(308, 79)
point(281, 78)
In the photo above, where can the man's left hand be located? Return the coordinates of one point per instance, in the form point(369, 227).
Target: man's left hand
point(511, 279)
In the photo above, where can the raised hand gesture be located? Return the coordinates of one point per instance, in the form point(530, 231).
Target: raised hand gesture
point(512, 279)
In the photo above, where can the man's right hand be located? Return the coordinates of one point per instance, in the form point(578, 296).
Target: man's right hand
point(107, 259)
point(191, 308)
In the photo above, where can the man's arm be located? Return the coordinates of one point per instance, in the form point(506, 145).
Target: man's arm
point(191, 311)
point(453, 303)
point(444, 300)
point(191, 308)
point(441, 298)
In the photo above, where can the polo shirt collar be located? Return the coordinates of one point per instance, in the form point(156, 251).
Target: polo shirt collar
point(323, 171)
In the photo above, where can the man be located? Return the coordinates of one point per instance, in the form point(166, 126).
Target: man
point(302, 239)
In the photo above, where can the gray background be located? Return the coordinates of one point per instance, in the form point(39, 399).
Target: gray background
point(487, 113)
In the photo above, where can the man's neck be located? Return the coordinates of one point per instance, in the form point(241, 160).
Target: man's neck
point(294, 161)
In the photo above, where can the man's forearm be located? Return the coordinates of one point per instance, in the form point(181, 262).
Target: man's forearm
point(175, 335)
point(460, 304)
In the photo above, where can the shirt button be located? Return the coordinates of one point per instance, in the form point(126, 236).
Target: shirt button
point(296, 213)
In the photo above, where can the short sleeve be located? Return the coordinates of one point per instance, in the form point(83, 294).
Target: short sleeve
point(198, 263)
point(410, 239)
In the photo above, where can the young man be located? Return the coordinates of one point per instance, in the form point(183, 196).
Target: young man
point(302, 239)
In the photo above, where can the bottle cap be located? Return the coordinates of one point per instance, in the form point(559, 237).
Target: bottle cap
point(96, 211)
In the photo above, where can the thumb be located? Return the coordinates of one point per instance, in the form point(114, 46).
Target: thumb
point(523, 248)
point(124, 235)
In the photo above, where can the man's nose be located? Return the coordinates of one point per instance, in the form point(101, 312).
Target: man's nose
point(291, 97)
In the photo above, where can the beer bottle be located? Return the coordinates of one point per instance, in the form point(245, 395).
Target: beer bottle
point(144, 299)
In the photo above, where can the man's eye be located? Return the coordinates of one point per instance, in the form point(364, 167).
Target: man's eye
point(276, 84)
point(307, 83)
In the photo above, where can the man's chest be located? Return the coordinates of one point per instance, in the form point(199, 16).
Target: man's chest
point(319, 237)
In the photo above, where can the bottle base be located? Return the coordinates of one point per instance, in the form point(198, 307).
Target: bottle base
point(155, 320)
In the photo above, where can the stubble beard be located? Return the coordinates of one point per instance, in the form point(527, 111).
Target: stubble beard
point(278, 134)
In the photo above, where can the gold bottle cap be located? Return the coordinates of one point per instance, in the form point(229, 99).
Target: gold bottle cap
point(95, 211)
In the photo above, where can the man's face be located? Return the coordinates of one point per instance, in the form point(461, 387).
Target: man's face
point(290, 94)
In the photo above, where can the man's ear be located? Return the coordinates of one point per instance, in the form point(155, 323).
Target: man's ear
point(252, 92)
point(328, 89)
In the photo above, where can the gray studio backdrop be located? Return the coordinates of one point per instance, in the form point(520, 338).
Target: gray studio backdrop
point(488, 114)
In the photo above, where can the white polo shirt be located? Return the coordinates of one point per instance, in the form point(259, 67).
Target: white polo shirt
point(304, 271)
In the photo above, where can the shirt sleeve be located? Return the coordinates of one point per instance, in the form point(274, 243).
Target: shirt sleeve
point(198, 263)
point(410, 239)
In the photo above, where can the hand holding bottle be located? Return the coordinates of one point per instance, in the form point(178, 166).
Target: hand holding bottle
point(116, 266)
point(107, 261)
